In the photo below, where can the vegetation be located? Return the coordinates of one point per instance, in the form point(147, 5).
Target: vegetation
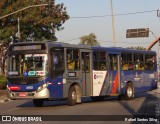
point(90, 39)
point(2, 82)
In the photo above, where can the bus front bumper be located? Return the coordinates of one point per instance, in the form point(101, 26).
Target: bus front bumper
point(43, 94)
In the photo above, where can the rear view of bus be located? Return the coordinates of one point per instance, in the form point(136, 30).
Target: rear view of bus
point(27, 72)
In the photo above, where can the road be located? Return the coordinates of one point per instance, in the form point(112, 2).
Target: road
point(143, 103)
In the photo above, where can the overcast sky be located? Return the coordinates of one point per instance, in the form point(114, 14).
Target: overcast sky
point(102, 26)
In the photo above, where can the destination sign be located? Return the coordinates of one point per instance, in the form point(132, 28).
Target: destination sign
point(27, 47)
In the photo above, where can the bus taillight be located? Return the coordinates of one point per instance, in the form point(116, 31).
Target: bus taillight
point(14, 88)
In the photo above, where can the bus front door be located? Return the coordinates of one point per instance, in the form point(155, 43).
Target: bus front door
point(114, 74)
point(86, 73)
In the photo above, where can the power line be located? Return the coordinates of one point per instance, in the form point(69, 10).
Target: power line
point(120, 14)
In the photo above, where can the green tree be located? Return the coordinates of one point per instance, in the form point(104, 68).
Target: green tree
point(41, 22)
point(90, 39)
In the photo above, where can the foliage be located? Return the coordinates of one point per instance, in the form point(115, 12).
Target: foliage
point(2, 82)
point(41, 22)
point(90, 39)
point(3, 56)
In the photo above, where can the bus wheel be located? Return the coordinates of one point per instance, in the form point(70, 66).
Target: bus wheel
point(129, 92)
point(72, 96)
point(38, 102)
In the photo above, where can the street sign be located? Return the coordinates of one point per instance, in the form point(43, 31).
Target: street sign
point(136, 33)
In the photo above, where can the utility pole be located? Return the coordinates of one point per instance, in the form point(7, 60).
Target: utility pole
point(158, 15)
point(19, 35)
point(113, 27)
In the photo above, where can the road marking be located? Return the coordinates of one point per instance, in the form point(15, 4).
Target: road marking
point(6, 100)
point(12, 109)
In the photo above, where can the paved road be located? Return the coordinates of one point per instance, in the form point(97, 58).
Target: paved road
point(144, 103)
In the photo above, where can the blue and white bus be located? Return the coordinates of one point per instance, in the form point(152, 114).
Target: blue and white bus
point(55, 71)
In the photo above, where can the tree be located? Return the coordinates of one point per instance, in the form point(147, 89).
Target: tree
point(39, 23)
point(3, 57)
point(90, 39)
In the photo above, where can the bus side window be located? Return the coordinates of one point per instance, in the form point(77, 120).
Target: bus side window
point(70, 62)
point(138, 62)
point(57, 59)
point(113, 62)
point(126, 61)
point(99, 60)
point(73, 59)
point(149, 62)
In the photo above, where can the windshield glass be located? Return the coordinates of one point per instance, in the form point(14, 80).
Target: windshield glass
point(28, 65)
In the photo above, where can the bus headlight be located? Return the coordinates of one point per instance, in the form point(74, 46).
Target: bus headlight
point(42, 87)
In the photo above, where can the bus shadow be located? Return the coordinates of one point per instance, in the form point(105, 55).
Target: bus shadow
point(147, 109)
point(64, 102)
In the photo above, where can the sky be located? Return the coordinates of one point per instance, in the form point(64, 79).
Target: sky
point(74, 28)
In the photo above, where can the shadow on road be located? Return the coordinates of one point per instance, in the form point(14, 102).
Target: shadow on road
point(147, 109)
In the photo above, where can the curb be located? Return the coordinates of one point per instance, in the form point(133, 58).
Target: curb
point(5, 100)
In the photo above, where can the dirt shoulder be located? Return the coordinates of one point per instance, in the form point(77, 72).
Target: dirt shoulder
point(3, 95)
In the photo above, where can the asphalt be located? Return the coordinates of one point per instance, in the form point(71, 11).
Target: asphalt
point(151, 104)
point(3, 96)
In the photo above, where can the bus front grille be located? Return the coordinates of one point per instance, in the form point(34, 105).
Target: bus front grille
point(23, 81)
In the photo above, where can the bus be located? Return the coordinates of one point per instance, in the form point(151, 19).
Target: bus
point(61, 71)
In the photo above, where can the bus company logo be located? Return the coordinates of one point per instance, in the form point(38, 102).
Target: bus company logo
point(98, 76)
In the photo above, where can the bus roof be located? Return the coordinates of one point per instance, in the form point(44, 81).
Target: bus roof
point(50, 44)
point(119, 49)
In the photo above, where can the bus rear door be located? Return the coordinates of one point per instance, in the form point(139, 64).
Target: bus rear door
point(86, 73)
point(114, 74)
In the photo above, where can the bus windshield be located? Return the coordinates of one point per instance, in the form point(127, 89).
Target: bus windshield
point(28, 65)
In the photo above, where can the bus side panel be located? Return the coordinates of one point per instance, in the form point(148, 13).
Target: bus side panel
point(150, 80)
point(142, 80)
point(99, 78)
point(106, 86)
point(111, 83)
point(135, 77)
point(56, 87)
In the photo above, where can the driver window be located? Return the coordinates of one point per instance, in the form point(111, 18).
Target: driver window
point(57, 59)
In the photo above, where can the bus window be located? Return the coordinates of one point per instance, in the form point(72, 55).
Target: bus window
point(127, 63)
point(85, 62)
point(73, 59)
point(149, 62)
point(29, 63)
point(113, 62)
point(138, 62)
point(57, 59)
point(99, 61)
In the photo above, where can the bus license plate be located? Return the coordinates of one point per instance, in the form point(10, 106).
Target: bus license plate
point(22, 94)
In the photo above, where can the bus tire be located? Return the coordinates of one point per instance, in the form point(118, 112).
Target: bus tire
point(72, 96)
point(38, 102)
point(129, 92)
